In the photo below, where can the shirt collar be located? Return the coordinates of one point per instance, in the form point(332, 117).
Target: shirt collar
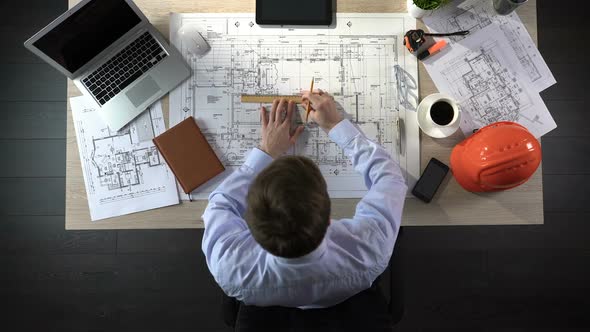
point(312, 256)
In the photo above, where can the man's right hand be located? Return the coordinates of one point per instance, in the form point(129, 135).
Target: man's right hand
point(323, 109)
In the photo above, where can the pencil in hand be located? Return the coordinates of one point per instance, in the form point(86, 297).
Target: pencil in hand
point(309, 102)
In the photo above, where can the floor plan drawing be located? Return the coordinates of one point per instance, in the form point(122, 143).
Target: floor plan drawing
point(354, 61)
point(480, 76)
point(475, 15)
point(123, 170)
point(119, 166)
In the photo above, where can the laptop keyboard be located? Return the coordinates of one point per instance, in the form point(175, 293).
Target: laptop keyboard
point(124, 68)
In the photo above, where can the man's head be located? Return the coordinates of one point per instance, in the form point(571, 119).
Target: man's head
point(289, 207)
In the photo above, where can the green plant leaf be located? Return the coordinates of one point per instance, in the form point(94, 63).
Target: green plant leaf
point(430, 4)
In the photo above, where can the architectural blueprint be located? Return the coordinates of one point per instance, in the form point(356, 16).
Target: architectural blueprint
point(474, 15)
point(360, 61)
point(488, 84)
point(123, 171)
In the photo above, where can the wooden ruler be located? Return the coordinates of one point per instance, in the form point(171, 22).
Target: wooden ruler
point(267, 99)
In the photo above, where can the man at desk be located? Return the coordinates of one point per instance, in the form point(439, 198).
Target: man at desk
point(268, 235)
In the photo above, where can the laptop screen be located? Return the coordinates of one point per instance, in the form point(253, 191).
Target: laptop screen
point(87, 32)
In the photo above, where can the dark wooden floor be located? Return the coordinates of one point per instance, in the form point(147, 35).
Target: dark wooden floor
point(520, 277)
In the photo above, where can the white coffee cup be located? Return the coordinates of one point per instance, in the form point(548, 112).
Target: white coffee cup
point(439, 115)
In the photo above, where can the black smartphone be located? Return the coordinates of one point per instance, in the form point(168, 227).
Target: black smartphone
point(428, 183)
point(294, 12)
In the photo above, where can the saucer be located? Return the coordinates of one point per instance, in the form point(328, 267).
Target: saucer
point(428, 126)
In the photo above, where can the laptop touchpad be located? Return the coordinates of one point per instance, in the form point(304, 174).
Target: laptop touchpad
point(142, 91)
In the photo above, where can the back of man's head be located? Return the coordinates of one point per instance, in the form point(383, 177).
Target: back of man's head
point(288, 207)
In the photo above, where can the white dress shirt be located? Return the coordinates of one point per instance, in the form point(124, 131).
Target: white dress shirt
point(352, 255)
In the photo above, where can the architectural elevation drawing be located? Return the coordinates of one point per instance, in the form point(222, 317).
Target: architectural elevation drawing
point(361, 62)
point(488, 84)
point(475, 15)
point(123, 170)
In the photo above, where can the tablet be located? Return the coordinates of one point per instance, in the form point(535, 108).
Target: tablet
point(294, 12)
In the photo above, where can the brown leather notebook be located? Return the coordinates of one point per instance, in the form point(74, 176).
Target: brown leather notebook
point(188, 154)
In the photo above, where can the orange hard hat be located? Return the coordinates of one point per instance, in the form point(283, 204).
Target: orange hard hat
point(499, 156)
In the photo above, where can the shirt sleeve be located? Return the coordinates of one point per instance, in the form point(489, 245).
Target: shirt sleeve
point(378, 215)
point(224, 215)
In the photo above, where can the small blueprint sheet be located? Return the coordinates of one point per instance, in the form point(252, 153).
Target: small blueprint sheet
point(475, 15)
point(483, 74)
point(361, 61)
point(123, 171)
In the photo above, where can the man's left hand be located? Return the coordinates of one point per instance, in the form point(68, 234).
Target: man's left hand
point(276, 130)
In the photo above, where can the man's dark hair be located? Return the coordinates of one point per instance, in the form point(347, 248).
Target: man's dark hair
point(288, 207)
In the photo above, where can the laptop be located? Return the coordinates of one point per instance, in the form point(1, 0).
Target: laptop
point(113, 55)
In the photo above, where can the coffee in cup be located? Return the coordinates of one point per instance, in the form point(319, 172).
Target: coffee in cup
point(442, 113)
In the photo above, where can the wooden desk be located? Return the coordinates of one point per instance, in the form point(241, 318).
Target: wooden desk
point(451, 206)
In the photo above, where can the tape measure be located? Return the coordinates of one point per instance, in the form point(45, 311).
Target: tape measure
point(418, 42)
point(267, 99)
